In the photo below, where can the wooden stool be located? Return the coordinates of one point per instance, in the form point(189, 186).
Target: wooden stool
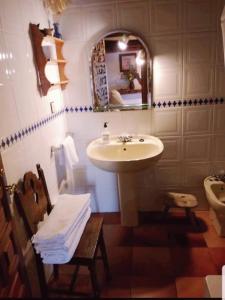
point(184, 201)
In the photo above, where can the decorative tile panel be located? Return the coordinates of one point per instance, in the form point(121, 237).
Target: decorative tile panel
point(165, 16)
point(196, 148)
point(197, 120)
point(199, 48)
point(198, 81)
point(168, 175)
point(199, 15)
point(172, 149)
point(133, 16)
point(194, 173)
point(218, 152)
point(166, 122)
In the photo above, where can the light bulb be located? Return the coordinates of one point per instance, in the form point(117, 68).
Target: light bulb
point(122, 45)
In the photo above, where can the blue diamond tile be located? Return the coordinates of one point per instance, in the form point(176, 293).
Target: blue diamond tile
point(85, 108)
point(7, 141)
point(11, 139)
point(179, 102)
point(15, 137)
point(76, 109)
point(3, 144)
point(81, 108)
point(174, 103)
point(185, 102)
point(90, 108)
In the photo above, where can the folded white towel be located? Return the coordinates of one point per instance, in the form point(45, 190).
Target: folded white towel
point(62, 257)
point(62, 219)
point(70, 152)
point(62, 246)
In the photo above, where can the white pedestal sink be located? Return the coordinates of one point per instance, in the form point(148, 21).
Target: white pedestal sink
point(125, 159)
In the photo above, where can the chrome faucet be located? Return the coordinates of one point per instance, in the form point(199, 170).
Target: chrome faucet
point(125, 138)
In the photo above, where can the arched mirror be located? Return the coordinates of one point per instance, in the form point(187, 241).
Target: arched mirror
point(121, 72)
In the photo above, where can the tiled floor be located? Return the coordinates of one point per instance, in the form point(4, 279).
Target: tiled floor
point(157, 259)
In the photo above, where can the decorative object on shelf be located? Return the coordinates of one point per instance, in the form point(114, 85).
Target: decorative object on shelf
point(57, 34)
point(49, 60)
point(56, 6)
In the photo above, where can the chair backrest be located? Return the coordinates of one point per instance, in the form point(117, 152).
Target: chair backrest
point(33, 202)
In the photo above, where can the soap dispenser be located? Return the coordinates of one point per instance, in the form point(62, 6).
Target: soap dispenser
point(105, 133)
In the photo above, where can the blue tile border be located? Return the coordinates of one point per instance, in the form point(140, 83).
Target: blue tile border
point(20, 134)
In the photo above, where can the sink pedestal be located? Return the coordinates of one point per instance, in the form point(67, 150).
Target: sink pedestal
point(128, 199)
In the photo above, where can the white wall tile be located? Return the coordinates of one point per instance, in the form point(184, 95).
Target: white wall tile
point(99, 19)
point(167, 51)
point(167, 84)
point(194, 173)
point(219, 119)
point(172, 149)
point(218, 167)
point(219, 82)
point(218, 151)
point(168, 175)
point(199, 15)
point(198, 81)
point(199, 48)
point(165, 16)
point(72, 25)
point(133, 16)
point(197, 120)
point(11, 16)
point(9, 121)
point(166, 122)
point(196, 148)
point(219, 48)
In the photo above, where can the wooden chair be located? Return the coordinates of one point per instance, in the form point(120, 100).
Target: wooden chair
point(33, 202)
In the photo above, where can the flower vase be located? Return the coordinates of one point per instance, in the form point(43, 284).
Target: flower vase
point(57, 34)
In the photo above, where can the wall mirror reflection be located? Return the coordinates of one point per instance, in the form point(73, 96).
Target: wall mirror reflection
point(121, 72)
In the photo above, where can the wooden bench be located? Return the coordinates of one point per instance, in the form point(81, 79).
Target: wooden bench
point(33, 202)
point(182, 201)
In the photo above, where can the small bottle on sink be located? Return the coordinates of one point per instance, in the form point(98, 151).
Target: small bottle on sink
point(105, 133)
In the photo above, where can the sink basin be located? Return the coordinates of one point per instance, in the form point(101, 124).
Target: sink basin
point(118, 157)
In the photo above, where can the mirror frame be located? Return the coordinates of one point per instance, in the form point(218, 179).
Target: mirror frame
point(149, 62)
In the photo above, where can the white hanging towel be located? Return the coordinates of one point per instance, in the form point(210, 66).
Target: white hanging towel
point(70, 152)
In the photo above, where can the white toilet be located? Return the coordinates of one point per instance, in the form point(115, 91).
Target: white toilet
point(215, 193)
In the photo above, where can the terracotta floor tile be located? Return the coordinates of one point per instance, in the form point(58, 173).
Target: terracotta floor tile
point(117, 235)
point(118, 287)
point(190, 262)
point(154, 262)
point(204, 215)
point(112, 218)
point(150, 235)
point(213, 239)
point(120, 260)
point(190, 287)
point(144, 287)
point(187, 239)
point(218, 257)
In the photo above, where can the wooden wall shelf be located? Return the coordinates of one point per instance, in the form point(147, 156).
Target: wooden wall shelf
point(48, 50)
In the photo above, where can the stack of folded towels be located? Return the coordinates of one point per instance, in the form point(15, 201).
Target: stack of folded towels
point(58, 236)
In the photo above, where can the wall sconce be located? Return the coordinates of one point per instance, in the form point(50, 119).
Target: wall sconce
point(140, 59)
point(122, 43)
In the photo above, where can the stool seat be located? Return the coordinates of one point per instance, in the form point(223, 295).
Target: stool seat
point(181, 200)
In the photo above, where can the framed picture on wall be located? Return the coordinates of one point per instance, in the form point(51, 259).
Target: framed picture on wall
point(127, 62)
